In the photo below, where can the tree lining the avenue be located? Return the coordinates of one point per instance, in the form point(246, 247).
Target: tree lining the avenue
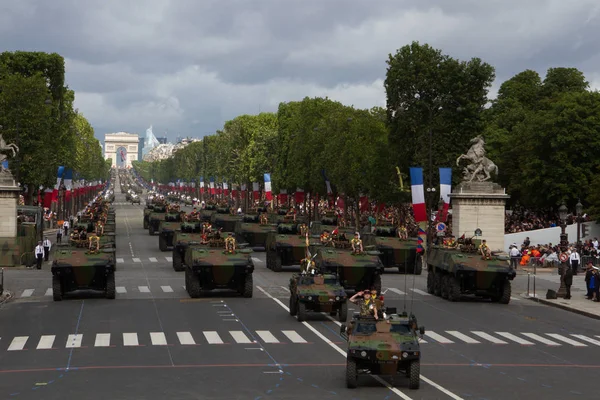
point(37, 114)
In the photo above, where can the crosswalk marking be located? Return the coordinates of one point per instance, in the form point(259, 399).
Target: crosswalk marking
point(120, 260)
point(144, 289)
point(153, 259)
point(267, 337)
point(539, 338)
point(169, 259)
point(514, 338)
point(463, 337)
point(185, 338)
point(294, 337)
point(121, 289)
point(587, 339)
point(239, 337)
point(566, 340)
point(422, 340)
point(102, 340)
point(438, 338)
point(74, 341)
point(212, 337)
point(137, 260)
point(158, 338)
point(18, 343)
point(130, 339)
point(48, 292)
point(397, 291)
point(46, 342)
point(167, 289)
point(27, 292)
point(419, 291)
point(487, 337)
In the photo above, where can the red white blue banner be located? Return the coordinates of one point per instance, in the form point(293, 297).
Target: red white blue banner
point(418, 194)
point(445, 190)
point(268, 193)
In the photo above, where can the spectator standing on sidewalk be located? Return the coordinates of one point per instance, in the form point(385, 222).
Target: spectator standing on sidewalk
point(59, 234)
point(47, 246)
point(588, 277)
point(515, 255)
point(39, 255)
point(66, 227)
point(574, 260)
point(568, 279)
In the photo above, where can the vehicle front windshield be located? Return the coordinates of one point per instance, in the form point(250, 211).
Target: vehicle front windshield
point(400, 328)
point(365, 328)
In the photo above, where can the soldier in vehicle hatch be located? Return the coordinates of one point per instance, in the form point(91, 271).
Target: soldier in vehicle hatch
point(326, 238)
point(485, 251)
point(367, 304)
point(230, 243)
point(357, 245)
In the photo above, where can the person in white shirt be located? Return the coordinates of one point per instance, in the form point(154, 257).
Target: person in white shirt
point(47, 246)
point(66, 228)
point(574, 260)
point(39, 255)
point(515, 255)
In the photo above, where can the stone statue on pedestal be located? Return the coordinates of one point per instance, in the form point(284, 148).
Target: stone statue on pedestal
point(3, 157)
point(480, 167)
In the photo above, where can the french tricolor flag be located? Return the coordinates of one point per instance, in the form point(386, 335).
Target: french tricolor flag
point(201, 185)
point(445, 190)
point(212, 186)
point(59, 175)
point(418, 194)
point(255, 191)
point(268, 193)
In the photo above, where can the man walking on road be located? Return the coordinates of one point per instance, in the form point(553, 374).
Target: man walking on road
point(39, 255)
point(47, 247)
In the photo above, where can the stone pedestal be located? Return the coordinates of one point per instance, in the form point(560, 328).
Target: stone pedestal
point(9, 198)
point(479, 205)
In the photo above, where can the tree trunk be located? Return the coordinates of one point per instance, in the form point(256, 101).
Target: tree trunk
point(357, 219)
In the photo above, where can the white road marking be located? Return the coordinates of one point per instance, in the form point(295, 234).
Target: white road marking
point(587, 339)
point(130, 339)
point(121, 289)
point(545, 341)
point(167, 289)
point(239, 337)
point(46, 342)
point(185, 338)
point(18, 343)
point(48, 292)
point(294, 337)
point(284, 288)
point(514, 338)
point(212, 337)
point(169, 259)
point(158, 338)
point(566, 340)
point(267, 337)
point(515, 298)
point(144, 289)
point(463, 337)
point(102, 340)
point(120, 260)
point(137, 260)
point(419, 291)
point(256, 260)
point(27, 292)
point(438, 338)
point(153, 259)
point(397, 291)
point(74, 341)
point(490, 338)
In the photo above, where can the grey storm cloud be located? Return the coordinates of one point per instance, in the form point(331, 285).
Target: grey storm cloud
point(186, 66)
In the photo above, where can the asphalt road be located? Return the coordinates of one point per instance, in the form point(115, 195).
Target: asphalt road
point(154, 342)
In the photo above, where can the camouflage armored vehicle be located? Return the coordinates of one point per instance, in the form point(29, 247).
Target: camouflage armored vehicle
point(224, 219)
point(81, 269)
point(157, 215)
point(317, 293)
point(190, 234)
point(212, 267)
point(328, 222)
point(251, 231)
point(149, 210)
point(385, 347)
point(394, 252)
point(207, 212)
point(286, 246)
point(357, 272)
point(455, 272)
point(167, 228)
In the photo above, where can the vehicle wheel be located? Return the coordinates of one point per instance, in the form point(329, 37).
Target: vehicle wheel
point(418, 269)
point(193, 286)
point(506, 292)
point(151, 230)
point(377, 283)
point(453, 289)
point(437, 284)
point(56, 288)
point(351, 374)
point(277, 263)
point(162, 243)
point(269, 259)
point(110, 286)
point(177, 261)
point(293, 305)
point(414, 375)
point(430, 281)
point(343, 312)
point(248, 286)
point(445, 284)
point(301, 312)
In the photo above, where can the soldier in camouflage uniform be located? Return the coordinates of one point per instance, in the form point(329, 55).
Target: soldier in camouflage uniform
point(357, 246)
point(230, 243)
point(367, 304)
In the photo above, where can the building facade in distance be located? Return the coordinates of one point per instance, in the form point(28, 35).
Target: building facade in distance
point(121, 148)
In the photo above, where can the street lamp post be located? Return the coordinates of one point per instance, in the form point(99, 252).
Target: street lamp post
point(578, 211)
point(564, 244)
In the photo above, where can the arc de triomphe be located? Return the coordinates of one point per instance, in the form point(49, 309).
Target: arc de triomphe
point(122, 148)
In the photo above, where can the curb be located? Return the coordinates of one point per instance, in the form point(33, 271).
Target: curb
point(563, 307)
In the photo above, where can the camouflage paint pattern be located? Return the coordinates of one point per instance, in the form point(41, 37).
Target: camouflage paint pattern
point(207, 213)
point(167, 230)
point(225, 221)
point(154, 220)
point(394, 251)
point(292, 247)
point(253, 233)
point(325, 293)
point(216, 268)
point(83, 269)
point(355, 270)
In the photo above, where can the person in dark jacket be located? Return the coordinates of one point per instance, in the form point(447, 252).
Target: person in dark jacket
point(588, 276)
point(568, 279)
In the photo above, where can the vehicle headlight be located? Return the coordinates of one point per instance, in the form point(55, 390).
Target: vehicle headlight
point(337, 297)
point(404, 355)
point(309, 297)
point(363, 353)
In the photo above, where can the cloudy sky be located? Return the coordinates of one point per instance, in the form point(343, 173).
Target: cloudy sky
point(186, 66)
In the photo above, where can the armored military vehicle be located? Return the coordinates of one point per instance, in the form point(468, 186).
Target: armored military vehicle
point(207, 212)
point(190, 234)
point(328, 222)
point(317, 293)
point(81, 269)
point(251, 231)
point(453, 272)
point(385, 347)
point(286, 246)
point(167, 228)
point(394, 252)
point(212, 267)
point(157, 215)
point(223, 219)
